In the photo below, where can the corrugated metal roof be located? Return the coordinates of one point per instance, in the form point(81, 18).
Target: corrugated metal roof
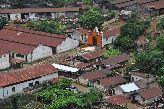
point(129, 87)
point(65, 68)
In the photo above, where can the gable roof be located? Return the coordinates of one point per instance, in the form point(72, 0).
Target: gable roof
point(112, 32)
point(116, 100)
point(13, 77)
point(82, 31)
point(156, 4)
point(111, 81)
point(36, 10)
point(150, 92)
point(7, 46)
point(116, 59)
point(29, 38)
point(94, 75)
point(94, 54)
point(130, 87)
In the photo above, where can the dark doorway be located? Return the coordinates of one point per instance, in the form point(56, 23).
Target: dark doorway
point(24, 15)
point(94, 39)
point(53, 50)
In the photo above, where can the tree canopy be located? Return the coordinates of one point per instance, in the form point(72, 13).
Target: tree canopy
point(150, 62)
point(3, 22)
point(50, 26)
point(160, 23)
point(91, 19)
point(160, 43)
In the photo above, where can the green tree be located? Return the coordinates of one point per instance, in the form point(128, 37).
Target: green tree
point(134, 29)
point(14, 100)
point(124, 43)
point(3, 22)
point(150, 62)
point(160, 43)
point(161, 81)
point(91, 19)
point(160, 23)
point(50, 26)
point(111, 52)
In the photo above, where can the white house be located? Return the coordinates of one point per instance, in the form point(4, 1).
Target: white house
point(148, 95)
point(136, 76)
point(16, 81)
point(127, 89)
point(66, 45)
point(4, 60)
point(109, 36)
point(39, 13)
point(29, 46)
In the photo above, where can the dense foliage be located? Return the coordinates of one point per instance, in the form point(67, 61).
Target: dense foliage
point(3, 22)
point(129, 33)
point(151, 61)
point(91, 19)
point(160, 43)
point(134, 29)
point(111, 52)
point(160, 24)
point(60, 97)
point(50, 26)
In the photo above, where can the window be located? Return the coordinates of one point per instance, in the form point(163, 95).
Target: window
point(30, 84)
point(36, 82)
point(19, 55)
point(13, 89)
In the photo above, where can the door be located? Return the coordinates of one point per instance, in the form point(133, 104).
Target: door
point(94, 41)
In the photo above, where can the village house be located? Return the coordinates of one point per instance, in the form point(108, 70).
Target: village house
point(80, 35)
point(16, 81)
point(117, 100)
point(91, 78)
point(110, 84)
point(39, 13)
point(29, 46)
point(92, 57)
point(136, 76)
point(115, 62)
point(83, 66)
point(142, 43)
point(148, 95)
point(128, 90)
point(4, 59)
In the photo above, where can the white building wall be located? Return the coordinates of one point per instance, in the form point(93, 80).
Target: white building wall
point(77, 36)
point(15, 16)
point(40, 52)
point(137, 78)
point(7, 91)
point(66, 45)
point(32, 16)
point(20, 58)
point(108, 40)
point(4, 61)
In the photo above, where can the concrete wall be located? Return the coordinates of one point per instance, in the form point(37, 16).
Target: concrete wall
point(137, 78)
point(66, 45)
point(77, 36)
point(15, 16)
point(107, 40)
point(4, 61)
point(7, 91)
point(40, 52)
